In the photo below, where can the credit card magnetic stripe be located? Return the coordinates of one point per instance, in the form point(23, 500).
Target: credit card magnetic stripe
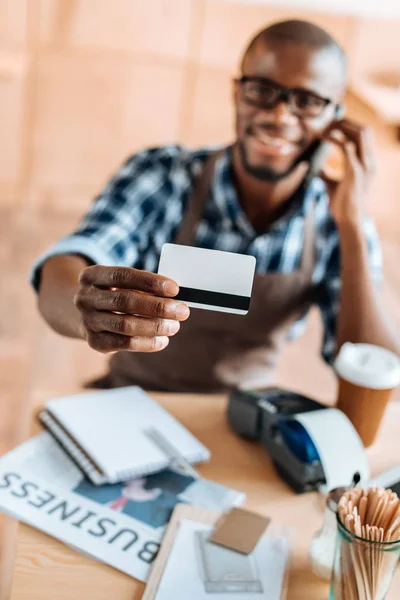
point(210, 298)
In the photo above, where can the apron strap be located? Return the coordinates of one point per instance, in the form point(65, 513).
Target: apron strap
point(197, 201)
point(308, 256)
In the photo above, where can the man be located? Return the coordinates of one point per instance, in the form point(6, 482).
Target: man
point(260, 196)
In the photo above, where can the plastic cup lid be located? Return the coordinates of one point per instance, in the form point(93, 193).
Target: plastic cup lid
point(368, 366)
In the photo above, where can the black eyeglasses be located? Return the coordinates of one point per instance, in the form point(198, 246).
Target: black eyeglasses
point(267, 94)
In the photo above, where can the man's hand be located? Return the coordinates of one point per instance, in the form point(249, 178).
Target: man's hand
point(128, 309)
point(348, 196)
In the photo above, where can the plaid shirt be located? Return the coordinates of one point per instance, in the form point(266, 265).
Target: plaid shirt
point(142, 206)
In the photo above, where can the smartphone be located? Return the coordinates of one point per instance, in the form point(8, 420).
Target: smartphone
point(320, 151)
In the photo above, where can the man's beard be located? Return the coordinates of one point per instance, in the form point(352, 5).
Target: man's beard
point(264, 173)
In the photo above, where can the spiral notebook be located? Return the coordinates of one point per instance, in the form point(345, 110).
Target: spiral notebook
point(105, 433)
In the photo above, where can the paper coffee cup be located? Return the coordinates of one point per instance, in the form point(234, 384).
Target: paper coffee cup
point(367, 375)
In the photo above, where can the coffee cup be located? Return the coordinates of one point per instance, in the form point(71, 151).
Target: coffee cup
point(367, 375)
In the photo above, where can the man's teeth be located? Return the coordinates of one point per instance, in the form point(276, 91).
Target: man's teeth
point(270, 140)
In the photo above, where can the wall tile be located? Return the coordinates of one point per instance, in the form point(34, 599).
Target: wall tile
point(13, 23)
point(381, 55)
point(14, 62)
point(229, 25)
point(211, 118)
point(143, 26)
point(12, 92)
point(9, 197)
point(90, 113)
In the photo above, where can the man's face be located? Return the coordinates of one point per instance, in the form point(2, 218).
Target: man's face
point(272, 141)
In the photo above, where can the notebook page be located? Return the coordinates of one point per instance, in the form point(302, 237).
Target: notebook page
point(110, 424)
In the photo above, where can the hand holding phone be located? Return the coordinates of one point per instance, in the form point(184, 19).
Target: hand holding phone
point(358, 149)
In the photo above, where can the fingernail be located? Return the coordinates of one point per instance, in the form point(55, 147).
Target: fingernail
point(172, 326)
point(161, 341)
point(182, 311)
point(170, 288)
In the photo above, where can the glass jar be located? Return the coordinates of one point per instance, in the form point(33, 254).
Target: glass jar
point(322, 550)
point(363, 569)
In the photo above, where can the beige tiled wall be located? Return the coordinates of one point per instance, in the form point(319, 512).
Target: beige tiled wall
point(14, 58)
point(13, 23)
point(90, 112)
point(376, 46)
point(85, 82)
point(228, 26)
point(159, 28)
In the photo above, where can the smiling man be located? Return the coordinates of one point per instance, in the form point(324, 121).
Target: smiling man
point(264, 195)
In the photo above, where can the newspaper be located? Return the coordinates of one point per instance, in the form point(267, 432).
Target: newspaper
point(120, 524)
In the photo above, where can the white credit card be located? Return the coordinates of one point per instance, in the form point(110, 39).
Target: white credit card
point(209, 279)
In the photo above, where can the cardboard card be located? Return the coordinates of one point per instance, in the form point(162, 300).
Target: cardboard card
point(239, 530)
point(209, 279)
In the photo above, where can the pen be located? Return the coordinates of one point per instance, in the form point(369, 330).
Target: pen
point(169, 450)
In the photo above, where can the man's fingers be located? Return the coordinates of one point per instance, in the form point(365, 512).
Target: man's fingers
point(348, 148)
point(330, 179)
point(130, 279)
point(352, 163)
point(127, 325)
point(106, 342)
point(131, 303)
point(363, 139)
point(338, 141)
point(351, 153)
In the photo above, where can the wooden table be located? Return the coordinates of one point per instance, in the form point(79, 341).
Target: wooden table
point(45, 569)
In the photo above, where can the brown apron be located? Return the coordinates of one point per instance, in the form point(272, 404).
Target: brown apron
point(216, 351)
